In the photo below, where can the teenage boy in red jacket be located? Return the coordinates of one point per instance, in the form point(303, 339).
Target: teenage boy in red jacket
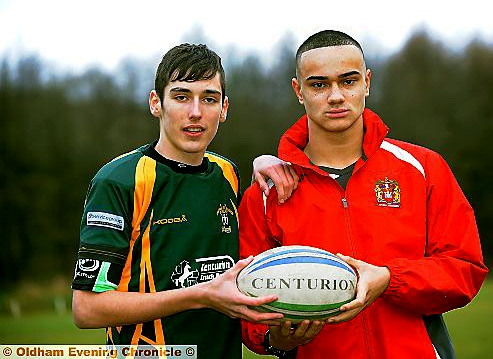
point(392, 208)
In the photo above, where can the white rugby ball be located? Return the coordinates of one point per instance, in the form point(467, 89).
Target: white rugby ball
point(310, 283)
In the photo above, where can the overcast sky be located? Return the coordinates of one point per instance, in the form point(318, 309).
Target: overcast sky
point(76, 34)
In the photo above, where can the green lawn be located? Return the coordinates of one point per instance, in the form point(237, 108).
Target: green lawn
point(469, 327)
point(46, 329)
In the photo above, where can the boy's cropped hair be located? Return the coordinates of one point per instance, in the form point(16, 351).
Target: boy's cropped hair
point(326, 38)
point(188, 62)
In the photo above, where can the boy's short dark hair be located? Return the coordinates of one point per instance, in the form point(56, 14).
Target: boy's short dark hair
point(326, 38)
point(189, 62)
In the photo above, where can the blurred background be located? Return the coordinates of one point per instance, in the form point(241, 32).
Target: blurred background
point(74, 85)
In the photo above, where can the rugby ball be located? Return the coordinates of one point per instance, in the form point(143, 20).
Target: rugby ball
point(310, 283)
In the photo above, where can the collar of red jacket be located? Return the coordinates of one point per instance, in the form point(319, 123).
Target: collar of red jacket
point(294, 140)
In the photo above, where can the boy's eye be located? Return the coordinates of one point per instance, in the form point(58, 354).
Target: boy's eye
point(180, 97)
point(210, 100)
point(318, 85)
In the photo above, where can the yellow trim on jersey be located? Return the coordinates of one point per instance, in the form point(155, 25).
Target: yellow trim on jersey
point(236, 211)
point(145, 177)
point(228, 170)
point(146, 275)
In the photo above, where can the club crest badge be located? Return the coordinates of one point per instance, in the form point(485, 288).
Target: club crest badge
point(224, 212)
point(388, 193)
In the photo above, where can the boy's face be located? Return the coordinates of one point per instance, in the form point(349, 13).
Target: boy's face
point(332, 84)
point(189, 113)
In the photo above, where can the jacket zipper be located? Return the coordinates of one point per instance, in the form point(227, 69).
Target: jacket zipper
point(345, 205)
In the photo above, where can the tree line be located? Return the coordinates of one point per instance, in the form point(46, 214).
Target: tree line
point(57, 130)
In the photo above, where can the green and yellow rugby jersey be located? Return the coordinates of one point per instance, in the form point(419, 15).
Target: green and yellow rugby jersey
point(151, 224)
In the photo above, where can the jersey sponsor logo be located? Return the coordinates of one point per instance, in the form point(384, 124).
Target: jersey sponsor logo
point(96, 275)
point(388, 193)
point(224, 212)
point(200, 270)
point(87, 268)
point(171, 220)
point(103, 219)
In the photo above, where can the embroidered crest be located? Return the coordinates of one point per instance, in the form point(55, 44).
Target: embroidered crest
point(388, 193)
point(225, 212)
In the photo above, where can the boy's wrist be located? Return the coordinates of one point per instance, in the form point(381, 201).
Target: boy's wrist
point(280, 353)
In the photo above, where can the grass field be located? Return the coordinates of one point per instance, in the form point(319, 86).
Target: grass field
point(470, 328)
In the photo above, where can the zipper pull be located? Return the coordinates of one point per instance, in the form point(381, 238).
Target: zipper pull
point(344, 202)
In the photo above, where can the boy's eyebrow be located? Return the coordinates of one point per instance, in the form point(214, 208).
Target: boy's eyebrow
point(180, 89)
point(185, 90)
point(350, 73)
point(319, 78)
point(213, 92)
point(324, 78)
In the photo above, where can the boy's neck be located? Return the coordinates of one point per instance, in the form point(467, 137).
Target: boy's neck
point(336, 150)
point(193, 159)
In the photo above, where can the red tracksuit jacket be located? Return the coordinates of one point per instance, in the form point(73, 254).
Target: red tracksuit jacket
point(402, 208)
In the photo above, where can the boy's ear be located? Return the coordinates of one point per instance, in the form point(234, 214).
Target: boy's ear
point(297, 89)
point(224, 111)
point(367, 80)
point(154, 104)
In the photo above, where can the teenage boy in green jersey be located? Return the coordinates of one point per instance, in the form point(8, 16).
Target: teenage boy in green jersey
point(158, 252)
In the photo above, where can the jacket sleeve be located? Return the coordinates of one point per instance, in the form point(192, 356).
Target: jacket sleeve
point(254, 239)
point(452, 270)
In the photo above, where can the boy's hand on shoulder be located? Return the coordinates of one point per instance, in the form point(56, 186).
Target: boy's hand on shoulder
point(281, 173)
